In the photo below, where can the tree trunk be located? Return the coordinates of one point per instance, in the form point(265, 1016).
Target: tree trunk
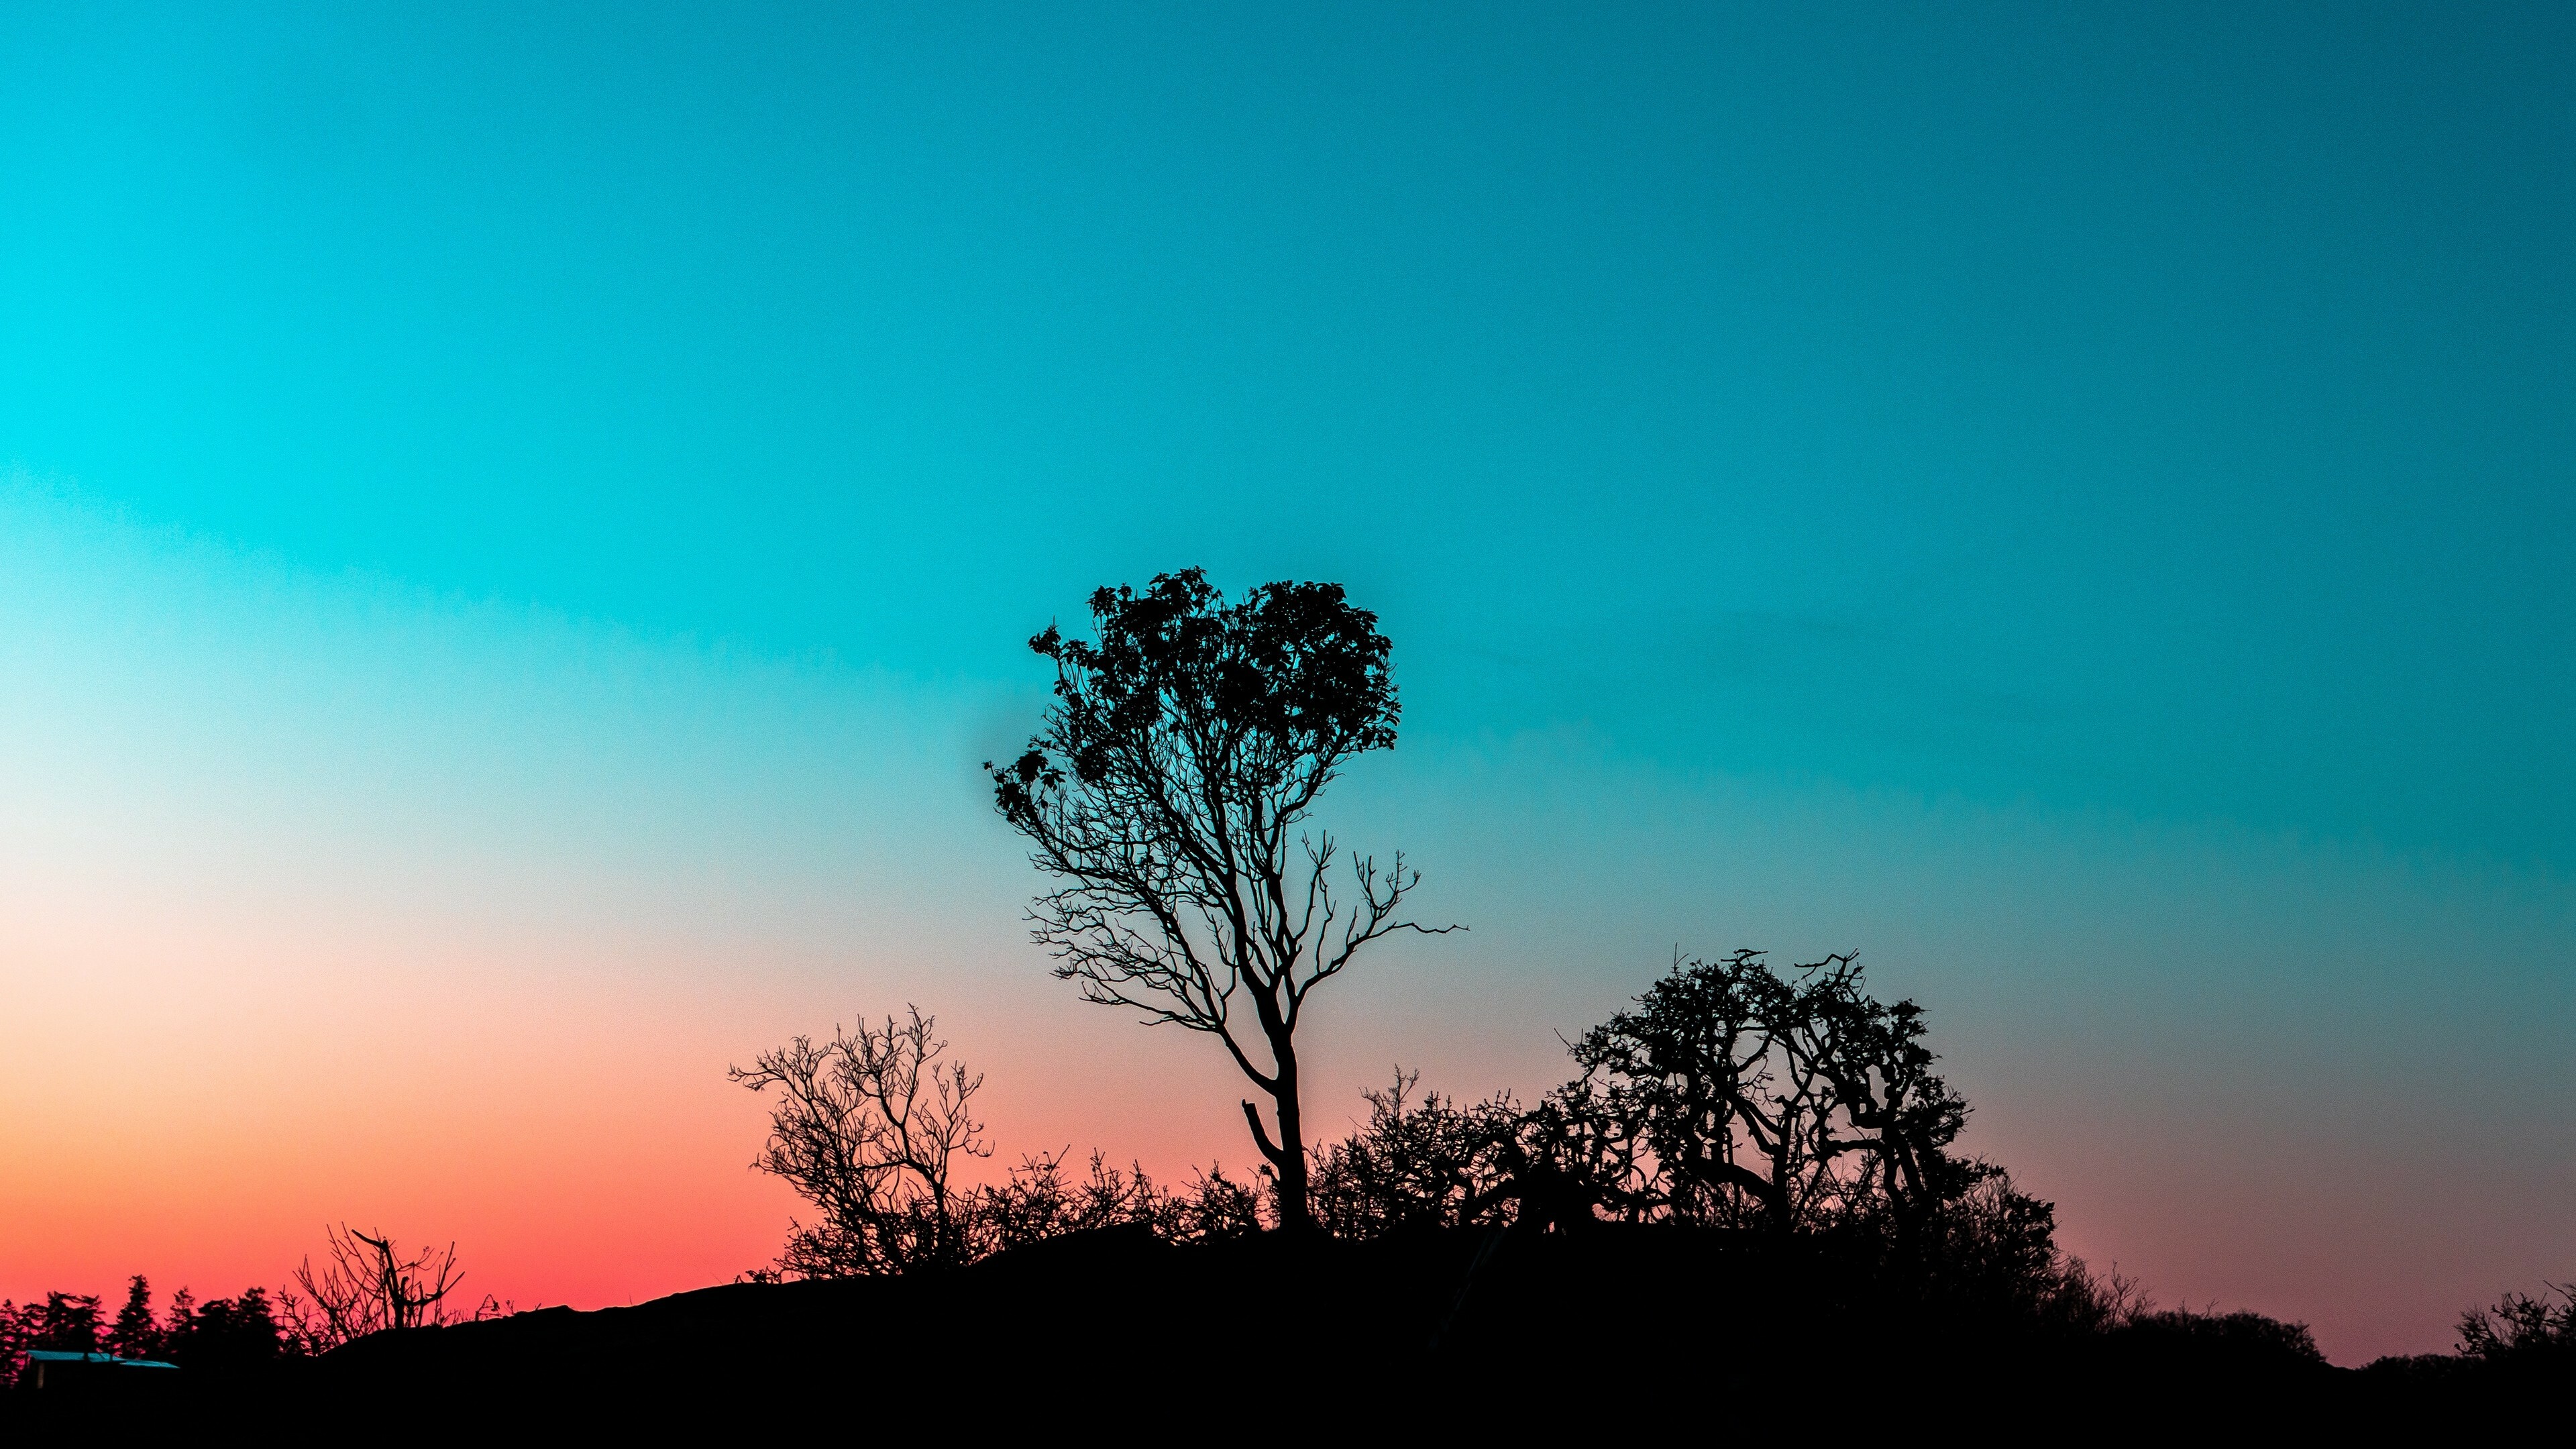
point(1295, 1216)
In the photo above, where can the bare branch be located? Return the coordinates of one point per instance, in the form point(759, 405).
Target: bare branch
point(369, 1285)
point(868, 1128)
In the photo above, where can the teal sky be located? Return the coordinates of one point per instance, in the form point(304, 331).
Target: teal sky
point(2080, 503)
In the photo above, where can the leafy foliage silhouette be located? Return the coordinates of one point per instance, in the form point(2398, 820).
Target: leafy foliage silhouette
point(1736, 1096)
point(1166, 791)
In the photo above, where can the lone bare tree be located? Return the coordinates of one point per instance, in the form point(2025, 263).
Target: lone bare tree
point(1165, 791)
point(369, 1285)
point(866, 1128)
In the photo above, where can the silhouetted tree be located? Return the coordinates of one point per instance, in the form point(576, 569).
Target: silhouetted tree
point(65, 1322)
point(1748, 1097)
point(62, 1322)
point(1165, 790)
point(867, 1128)
point(1902, 1116)
point(368, 1285)
point(226, 1335)
point(135, 1334)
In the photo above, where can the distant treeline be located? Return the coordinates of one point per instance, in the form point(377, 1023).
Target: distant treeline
point(256, 1327)
point(366, 1284)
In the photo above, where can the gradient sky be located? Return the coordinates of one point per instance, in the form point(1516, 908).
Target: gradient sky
point(517, 529)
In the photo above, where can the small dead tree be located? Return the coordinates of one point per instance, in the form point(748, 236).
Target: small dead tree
point(866, 1127)
point(1165, 792)
point(369, 1285)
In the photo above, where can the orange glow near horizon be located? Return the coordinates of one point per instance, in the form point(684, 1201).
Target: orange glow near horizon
point(329, 902)
point(578, 1142)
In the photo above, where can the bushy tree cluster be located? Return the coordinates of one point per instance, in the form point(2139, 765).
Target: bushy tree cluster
point(61, 1322)
point(1732, 1097)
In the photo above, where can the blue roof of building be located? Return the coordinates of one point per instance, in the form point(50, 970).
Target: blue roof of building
point(53, 1355)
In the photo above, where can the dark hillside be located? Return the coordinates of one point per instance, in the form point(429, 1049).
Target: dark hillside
point(1625, 1330)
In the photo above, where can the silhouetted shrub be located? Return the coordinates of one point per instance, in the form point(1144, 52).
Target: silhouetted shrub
point(1992, 1252)
point(1039, 1202)
point(2523, 1330)
point(1431, 1164)
point(2239, 1341)
point(868, 1128)
point(2518, 1355)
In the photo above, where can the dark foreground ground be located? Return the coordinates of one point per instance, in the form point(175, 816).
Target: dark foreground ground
point(1618, 1336)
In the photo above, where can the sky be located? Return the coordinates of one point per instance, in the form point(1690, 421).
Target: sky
point(517, 529)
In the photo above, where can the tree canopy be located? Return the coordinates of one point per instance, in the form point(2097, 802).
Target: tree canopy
point(1167, 793)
